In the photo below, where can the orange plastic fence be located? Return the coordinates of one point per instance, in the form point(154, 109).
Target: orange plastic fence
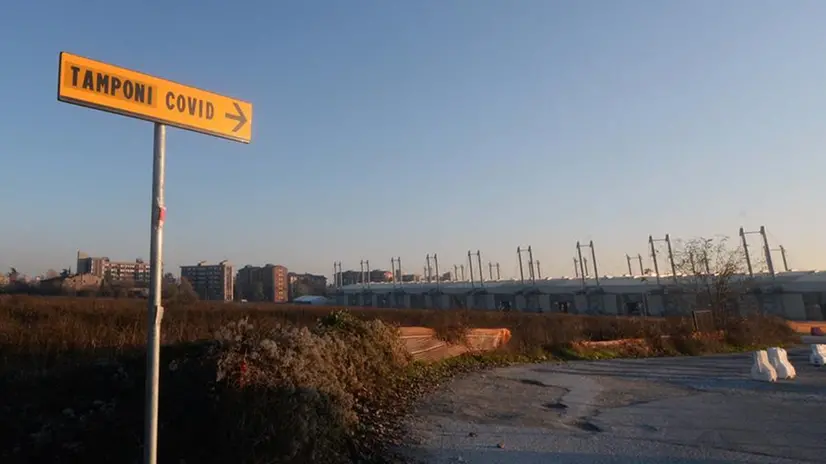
point(423, 344)
point(805, 327)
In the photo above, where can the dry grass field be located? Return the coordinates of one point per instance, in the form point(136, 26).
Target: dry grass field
point(44, 332)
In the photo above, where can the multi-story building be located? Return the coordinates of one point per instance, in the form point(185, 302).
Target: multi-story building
point(357, 277)
point(213, 282)
point(263, 283)
point(118, 271)
point(349, 277)
point(307, 284)
point(73, 283)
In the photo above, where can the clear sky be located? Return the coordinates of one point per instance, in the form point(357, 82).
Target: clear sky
point(399, 128)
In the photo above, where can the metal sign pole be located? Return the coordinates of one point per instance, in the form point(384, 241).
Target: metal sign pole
point(153, 340)
point(86, 82)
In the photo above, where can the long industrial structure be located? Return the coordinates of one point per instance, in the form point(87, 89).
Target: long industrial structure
point(795, 295)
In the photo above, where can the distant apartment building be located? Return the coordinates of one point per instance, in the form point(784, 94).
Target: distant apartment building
point(307, 284)
point(212, 282)
point(263, 283)
point(118, 271)
point(349, 277)
point(399, 277)
point(74, 283)
point(357, 277)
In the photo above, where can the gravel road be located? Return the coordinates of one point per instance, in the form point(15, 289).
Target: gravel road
point(640, 411)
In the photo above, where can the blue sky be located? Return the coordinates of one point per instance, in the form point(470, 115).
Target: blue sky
point(400, 128)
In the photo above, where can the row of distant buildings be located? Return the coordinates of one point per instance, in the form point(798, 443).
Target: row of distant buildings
point(382, 276)
point(215, 282)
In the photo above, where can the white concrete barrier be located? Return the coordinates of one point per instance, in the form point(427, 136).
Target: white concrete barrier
point(762, 370)
point(779, 360)
point(818, 356)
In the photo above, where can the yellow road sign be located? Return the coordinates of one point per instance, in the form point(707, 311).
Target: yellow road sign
point(90, 83)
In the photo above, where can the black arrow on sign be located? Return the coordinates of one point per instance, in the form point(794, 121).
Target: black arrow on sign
point(240, 117)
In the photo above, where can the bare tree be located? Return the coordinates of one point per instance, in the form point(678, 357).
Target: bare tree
point(169, 290)
point(714, 270)
point(186, 294)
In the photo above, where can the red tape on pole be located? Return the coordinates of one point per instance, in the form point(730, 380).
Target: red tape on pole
point(161, 215)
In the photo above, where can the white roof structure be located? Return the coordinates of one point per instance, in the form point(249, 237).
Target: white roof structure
point(795, 281)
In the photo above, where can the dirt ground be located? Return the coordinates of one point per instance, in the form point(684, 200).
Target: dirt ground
point(683, 410)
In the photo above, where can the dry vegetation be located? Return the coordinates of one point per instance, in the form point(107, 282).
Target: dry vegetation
point(44, 333)
point(263, 383)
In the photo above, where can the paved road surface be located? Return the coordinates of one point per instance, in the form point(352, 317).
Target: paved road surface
point(658, 410)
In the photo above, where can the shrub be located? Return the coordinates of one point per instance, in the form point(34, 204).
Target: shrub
point(452, 326)
point(301, 394)
point(757, 331)
point(685, 341)
point(283, 393)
